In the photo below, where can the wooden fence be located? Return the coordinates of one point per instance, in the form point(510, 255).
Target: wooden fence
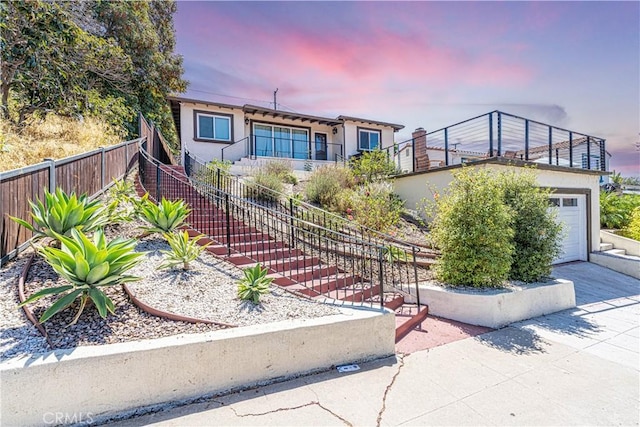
point(89, 173)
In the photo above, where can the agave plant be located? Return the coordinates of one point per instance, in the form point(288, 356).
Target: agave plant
point(62, 213)
point(88, 266)
point(164, 217)
point(254, 283)
point(183, 250)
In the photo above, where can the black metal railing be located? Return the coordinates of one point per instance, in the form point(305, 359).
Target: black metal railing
point(255, 146)
point(500, 134)
point(317, 260)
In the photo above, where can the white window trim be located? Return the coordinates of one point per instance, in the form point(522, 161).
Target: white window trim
point(214, 116)
point(369, 131)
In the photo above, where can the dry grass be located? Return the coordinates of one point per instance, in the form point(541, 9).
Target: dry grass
point(53, 137)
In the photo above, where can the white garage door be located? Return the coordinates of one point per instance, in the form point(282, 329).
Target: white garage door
point(572, 212)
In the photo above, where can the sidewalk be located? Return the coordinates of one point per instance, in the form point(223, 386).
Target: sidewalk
point(577, 367)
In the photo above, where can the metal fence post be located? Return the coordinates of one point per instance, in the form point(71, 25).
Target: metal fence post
point(158, 177)
point(499, 134)
point(292, 240)
point(415, 274)
point(227, 216)
point(526, 139)
point(490, 134)
point(446, 146)
point(589, 152)
point(52, 174)
point(550, 145)
point(570, 149)
point(381, 275)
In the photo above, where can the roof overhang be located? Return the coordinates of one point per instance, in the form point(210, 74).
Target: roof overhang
point(287, 115)
point(396, 127)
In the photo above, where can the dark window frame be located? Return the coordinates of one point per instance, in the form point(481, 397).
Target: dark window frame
point(214, 114)
point(369, 130)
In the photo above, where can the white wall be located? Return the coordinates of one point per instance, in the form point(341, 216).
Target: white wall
point(207, 151)
point(416, 187)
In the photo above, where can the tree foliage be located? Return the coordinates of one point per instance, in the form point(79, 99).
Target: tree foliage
point(100, 58)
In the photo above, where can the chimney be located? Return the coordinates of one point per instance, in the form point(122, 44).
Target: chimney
point(421, 158)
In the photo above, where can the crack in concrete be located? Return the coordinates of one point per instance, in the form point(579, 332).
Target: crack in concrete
point(388, 389)
point(291, 408)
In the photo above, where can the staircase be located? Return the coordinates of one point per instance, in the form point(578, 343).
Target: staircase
point(302, 257)
point(618, 253)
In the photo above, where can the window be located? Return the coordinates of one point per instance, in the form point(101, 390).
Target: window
point(213, 127)
point(595, 162)
point(570, 202)
point(554, 201)
point(407, 152)
point(280, 141)
point(368, 139)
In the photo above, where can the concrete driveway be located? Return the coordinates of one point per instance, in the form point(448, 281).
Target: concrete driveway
point(576, 367)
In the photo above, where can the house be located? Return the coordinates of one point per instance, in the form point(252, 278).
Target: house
point(212, 130)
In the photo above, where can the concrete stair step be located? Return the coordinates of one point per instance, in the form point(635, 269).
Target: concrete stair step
point(408, 317)
point(606, 246)
point(616, 252)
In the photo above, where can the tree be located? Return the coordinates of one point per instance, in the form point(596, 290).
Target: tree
point(50, 64)
point(98, 57)
point(144, 31)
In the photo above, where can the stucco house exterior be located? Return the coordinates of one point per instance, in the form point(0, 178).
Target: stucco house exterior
point(212, 130)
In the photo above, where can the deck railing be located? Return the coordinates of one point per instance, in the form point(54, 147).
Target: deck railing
point(255, 146)
point(500, 134)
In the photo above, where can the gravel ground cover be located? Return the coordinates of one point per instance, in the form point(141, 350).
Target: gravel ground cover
point(207, 291)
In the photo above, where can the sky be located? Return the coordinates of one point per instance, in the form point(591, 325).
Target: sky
point(575, 65)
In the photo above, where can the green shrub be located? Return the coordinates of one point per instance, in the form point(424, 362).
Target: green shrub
point(165, 216)
point(615, 209)
point(209, 172)
point(376, 206)
point(183, 250)
point(632, 230)
point(326, 182)
point(537, 235)
point(254, 283)
point(472, 228)
point(264, 186)
point(280, 168)
point(372, 166)
point(62, 213)
point(88, 266)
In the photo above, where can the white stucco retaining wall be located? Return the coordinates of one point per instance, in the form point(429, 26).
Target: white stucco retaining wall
point(632, 247)
point(100, 381)
point(496, 308)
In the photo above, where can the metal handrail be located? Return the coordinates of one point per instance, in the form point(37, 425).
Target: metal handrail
point(321, 213)
point(363, 261)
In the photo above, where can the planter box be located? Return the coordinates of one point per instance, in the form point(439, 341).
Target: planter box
point(496, 308)
point(93, 383)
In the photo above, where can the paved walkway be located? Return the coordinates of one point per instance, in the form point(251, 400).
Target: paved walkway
point(577, 367)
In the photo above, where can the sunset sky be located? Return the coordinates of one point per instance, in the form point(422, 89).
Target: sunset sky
point(425, 64)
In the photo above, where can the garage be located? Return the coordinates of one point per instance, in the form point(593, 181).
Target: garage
point(572, 213)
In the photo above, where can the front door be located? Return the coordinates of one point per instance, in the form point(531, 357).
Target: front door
point(321, 146)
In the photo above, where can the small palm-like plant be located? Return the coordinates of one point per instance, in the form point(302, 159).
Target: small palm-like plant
point(183, 250)
point(254, 283)
point(61, 213)
point(88, 266)
point(164, 217)
point(120, 207)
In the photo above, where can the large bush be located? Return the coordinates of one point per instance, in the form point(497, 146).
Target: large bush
point(615, 209)
point(326, 182)
point(536, 237)
point(376, 206)
point(472, 228)
point(632, 230)
point(372, 166)
point(494, 226)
